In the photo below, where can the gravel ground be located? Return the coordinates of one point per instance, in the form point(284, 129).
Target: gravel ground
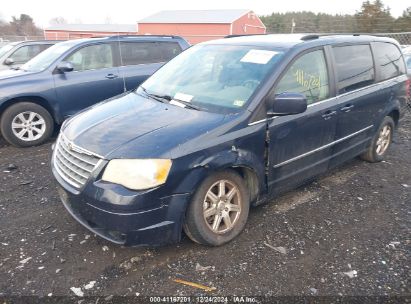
point(346, 234)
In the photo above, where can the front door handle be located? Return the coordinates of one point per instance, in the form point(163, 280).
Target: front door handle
point(111, 76)
point(347, 108)
point(327, 115)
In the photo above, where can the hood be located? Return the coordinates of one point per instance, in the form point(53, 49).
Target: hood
point(9, 73)
point(132, 126)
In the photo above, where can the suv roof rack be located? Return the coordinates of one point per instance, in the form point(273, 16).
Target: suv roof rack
point(160, 36)
point(242, 35)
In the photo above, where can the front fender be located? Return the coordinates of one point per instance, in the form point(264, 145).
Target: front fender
point(33, 87)
point(229, 158)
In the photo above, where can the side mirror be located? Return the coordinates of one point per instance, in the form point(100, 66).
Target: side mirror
point(9, 61)
point(287, 104)
point(65, 66)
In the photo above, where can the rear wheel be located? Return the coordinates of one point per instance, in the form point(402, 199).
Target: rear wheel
point(219, 209)
point(381, 141)
point(26, 124)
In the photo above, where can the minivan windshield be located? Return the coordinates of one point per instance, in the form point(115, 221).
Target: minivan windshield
point(213, 77)
point(5, 49)
point(47, 57)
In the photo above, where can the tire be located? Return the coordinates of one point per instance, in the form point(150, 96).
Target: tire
point(36, 124)
point(381, 142)
point(214, 229)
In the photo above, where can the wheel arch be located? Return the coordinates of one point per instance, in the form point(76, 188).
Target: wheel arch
point(250, 178)
point(395, 115)
point(249, 169)
point(34, 99)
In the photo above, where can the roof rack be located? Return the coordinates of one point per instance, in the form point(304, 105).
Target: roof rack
point(242, 35)
point(304, 37)
point(161, 36)
point(316, 36)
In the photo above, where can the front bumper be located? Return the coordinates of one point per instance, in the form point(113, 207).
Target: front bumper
point(134, 224)
point(155, 227)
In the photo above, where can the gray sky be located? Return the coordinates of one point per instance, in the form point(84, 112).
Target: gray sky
point(130, 11)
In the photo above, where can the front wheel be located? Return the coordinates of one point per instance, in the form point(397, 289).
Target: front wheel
point(219, 209)
point(26, 124)
point(381, 141)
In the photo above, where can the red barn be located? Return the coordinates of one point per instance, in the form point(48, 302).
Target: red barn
point(194, 25)
point(202, 25)
point(74, 31)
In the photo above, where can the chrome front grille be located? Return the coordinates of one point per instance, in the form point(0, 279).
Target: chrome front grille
point(72, 163)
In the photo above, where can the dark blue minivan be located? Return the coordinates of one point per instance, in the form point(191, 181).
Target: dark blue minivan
point(227, 124)
point(73, 75)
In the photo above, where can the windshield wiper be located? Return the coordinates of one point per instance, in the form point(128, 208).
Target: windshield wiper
point(168, 98)
point(187, 104)
point(154, 96)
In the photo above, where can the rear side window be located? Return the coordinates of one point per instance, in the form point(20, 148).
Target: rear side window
point(355, 67)
point(308, 76)
point(133, 53)
point(44, 47)
point(389, 60)
point(169, 49)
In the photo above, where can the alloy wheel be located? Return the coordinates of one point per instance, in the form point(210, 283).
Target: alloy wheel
point(28, 126)
point(222, 206)
point(384, 140)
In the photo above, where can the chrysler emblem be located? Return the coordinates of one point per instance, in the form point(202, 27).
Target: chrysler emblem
point(70, 146)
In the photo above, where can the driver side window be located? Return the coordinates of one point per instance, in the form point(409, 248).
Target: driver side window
point(92, 57)
point(308, 76)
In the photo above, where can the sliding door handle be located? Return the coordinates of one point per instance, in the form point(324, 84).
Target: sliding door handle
point(347, 108)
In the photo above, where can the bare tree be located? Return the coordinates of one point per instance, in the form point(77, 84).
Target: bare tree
point(58, 20)
point(24, 26)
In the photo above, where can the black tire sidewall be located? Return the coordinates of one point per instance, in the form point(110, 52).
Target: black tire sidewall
point(13, 111)
point(195, 223)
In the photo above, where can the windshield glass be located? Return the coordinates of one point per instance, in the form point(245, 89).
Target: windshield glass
point(213, 77)
point(47, 57)
point(5, 49)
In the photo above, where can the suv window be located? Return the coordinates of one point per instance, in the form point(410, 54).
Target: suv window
point(133, 53)
point(307, 75)
point(93, 57)
point(169, 50)
point(25, 53)
point(388, 58)
point(355, 67)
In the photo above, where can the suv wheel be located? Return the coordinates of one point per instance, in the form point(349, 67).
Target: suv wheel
point(219, 209)
point(381, 141)
point(26, 124)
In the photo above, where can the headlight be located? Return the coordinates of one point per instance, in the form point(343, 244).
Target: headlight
point(137, 174)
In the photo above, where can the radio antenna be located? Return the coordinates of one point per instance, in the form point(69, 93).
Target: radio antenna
point(121, 64)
